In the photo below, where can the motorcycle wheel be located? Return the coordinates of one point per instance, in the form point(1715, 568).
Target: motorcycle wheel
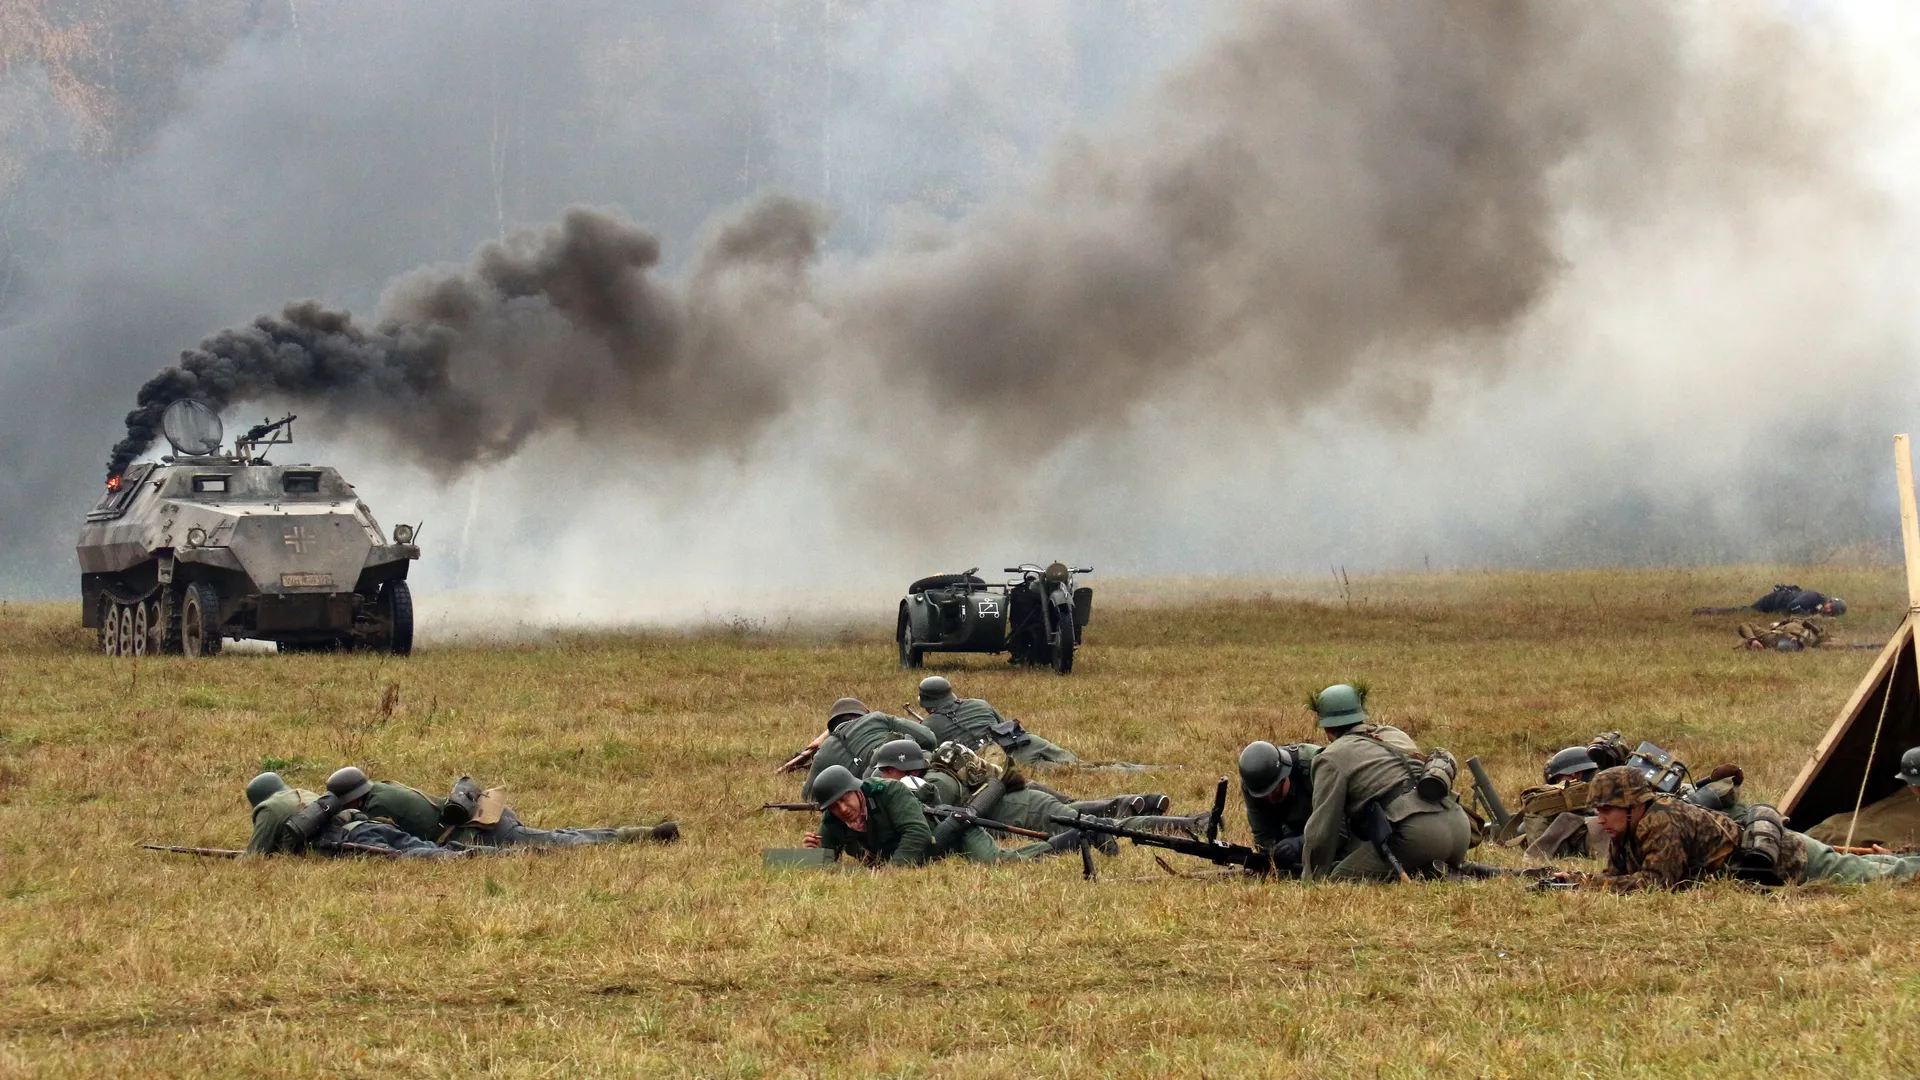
point(910, 656)
point(1063, 645)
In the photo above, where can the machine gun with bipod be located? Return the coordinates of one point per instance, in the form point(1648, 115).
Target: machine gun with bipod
point(1212, 848)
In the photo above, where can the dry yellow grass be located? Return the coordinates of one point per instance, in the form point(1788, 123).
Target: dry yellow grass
point(692, 960)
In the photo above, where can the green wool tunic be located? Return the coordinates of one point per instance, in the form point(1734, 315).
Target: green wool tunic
point(269, 818)
point(852, 744)
point(1273, 821)
point(966, 720)
point(415, 812)
point(896, 832)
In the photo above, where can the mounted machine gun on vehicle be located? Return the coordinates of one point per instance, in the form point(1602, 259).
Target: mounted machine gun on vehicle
point(204, 545)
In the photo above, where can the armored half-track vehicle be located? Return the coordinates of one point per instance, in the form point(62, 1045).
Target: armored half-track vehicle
point(1037, 618)
point(204, 545)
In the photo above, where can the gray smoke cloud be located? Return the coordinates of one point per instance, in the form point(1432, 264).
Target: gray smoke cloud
point(1399, 224)
point(1320, 194)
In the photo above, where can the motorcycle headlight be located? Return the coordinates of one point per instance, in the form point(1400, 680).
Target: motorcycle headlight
point(196, 536)
point(403, 534)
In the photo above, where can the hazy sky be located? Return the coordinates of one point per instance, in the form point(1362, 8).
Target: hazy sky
point(1163, 287)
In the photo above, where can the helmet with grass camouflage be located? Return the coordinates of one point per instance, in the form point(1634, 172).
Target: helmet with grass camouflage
point(935, 691)
point(1622, 786)
point(262, 786)
point(833, 782)
point(902, 754)
point(348, 784)
point(1340, 705)
point(1573, 761)
point(1263, 767)
point(1910, 766)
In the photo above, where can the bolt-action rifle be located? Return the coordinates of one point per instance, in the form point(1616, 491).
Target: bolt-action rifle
point(800, 807)
point(800, 760)
point(233, 853)
point(209, 852)
point(1213, 849)
point(941, 813)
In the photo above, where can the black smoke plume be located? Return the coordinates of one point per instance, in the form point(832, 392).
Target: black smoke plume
point(565, 326)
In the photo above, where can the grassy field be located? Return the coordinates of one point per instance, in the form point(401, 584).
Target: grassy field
point(693, 960)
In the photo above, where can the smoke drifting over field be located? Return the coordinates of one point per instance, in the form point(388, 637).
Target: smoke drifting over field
point(1540, 263)
point(1323, 192)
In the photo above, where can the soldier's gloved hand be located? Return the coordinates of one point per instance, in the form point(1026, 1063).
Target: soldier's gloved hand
point(1286, 853)
point(1065, 841)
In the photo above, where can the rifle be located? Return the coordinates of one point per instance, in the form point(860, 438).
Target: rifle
point(941, 813)
point(796, 806)
point(230, 853)
point(210, 852)
point(369, 849)
point(799, 760)
point(1212, 849)
point(1373, 827)
point(1489, 798)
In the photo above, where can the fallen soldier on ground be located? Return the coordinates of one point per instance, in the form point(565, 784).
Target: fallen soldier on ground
point(1788, 600)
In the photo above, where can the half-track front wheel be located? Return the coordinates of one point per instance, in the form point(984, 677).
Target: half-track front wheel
point(200, 621)
point(910, 657)
point(396, 610)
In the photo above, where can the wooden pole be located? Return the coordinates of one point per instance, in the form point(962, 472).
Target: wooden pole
point(1909, 518)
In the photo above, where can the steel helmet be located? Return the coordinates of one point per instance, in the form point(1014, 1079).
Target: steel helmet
point(833, 782)
point(1910, 767)
point(1340, 705)
point(1836, 606)
point(903, 754)
point(262, 786)
point(1574, 761)
point(348, 784)
point(1263, 766)
point(935, 690)
point(847, 706)
point(1622, 786)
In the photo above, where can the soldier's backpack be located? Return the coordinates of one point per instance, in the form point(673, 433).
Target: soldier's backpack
point(1551, 800)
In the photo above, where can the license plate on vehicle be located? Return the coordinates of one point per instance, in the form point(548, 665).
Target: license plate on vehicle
point(306, 581)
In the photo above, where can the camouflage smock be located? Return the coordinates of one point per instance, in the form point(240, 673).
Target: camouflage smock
point(1673, 844)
